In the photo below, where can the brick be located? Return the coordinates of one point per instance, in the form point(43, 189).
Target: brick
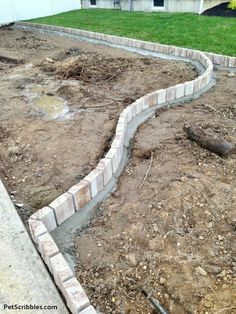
point(63, 207)
point(225, 61)
point(156, 47)
point(161, 96)
point(183, 52)
point(75, 296)
point(152, 99)
point(120, 128)
point(37, 228)
point(203, 59)
point(118, 143)
point(89, 310)
point(128, 114)
point(189, 53)
point(159, 48)
point(47, 248)
point(209, 65)
point(189, 88)
point(180, 90)
point(122, 119)
point(217, 59)
point(170, 93)
point(60, 269)
point(166, 49)
point(46, 215)
point(196, 55)
point(232, 61)
point(172, 50)
point(81, 194)
point(114, 155)
point(105, 165)
point(149, 46)
point(145, 101)
point(95, 180)
point(138, 44)
point(209, 76)
point(177, 51)
point(197, 84)
point(137, 107)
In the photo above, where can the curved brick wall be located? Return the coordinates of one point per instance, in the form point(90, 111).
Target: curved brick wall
point(48, 218)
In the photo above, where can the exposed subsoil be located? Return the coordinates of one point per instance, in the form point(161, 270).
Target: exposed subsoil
point(60, 102)
point(220, 10)
point(175, 236)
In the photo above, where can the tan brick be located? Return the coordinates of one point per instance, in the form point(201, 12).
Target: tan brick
point(121, 128)
point(122, 119)
point(46, 215)
point(225, 61)
point(149, 46)
point(137, 107)
point(196, 55)
point(37, 228)
point(180, 90)
point(127, 112)
point(75, 296)
point(95, 179)
point(81, 194)
point(183, 52)
point(152, 99)
point(118, 143)
point(63, 207)
point(197, 84)
point(114, 155)
point(161, 96)
point(60, 269)
point(145, 102)
point(189, 53)
point(105, 165)
point(47, 248)
point(217, 59)
point(232, 61)
point(171, 93)
point(189, 88)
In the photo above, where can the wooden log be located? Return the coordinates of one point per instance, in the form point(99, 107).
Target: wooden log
point(212, 143)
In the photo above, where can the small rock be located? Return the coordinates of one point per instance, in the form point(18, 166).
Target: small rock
point(49, 60)
point(220, 238)
point(132, 259)
point(162, 280)
point(201, 271)
point(231, 74)
point(19, 205)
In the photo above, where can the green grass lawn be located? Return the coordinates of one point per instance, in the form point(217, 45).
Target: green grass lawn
point(214, 34)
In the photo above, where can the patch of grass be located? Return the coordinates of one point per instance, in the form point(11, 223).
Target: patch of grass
point(214, 34)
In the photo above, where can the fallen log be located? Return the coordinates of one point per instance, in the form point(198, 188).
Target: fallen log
point(212, 143)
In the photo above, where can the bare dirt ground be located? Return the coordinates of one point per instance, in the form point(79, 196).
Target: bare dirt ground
point(60, 101)
point(176, 235)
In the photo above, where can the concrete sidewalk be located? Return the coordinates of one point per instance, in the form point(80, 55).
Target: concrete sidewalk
point(24, 280)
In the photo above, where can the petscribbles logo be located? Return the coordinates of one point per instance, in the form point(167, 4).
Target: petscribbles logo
point(26, 307)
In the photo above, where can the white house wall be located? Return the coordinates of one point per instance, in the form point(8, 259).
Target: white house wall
point(13, 10)
point(147, 5)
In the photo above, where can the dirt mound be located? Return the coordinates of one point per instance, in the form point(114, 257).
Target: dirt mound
point(89, 68)
point(220, 10)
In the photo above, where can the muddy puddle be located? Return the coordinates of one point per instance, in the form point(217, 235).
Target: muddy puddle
point(47, 104)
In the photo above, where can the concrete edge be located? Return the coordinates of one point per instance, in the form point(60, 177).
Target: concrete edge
point(78, 196)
